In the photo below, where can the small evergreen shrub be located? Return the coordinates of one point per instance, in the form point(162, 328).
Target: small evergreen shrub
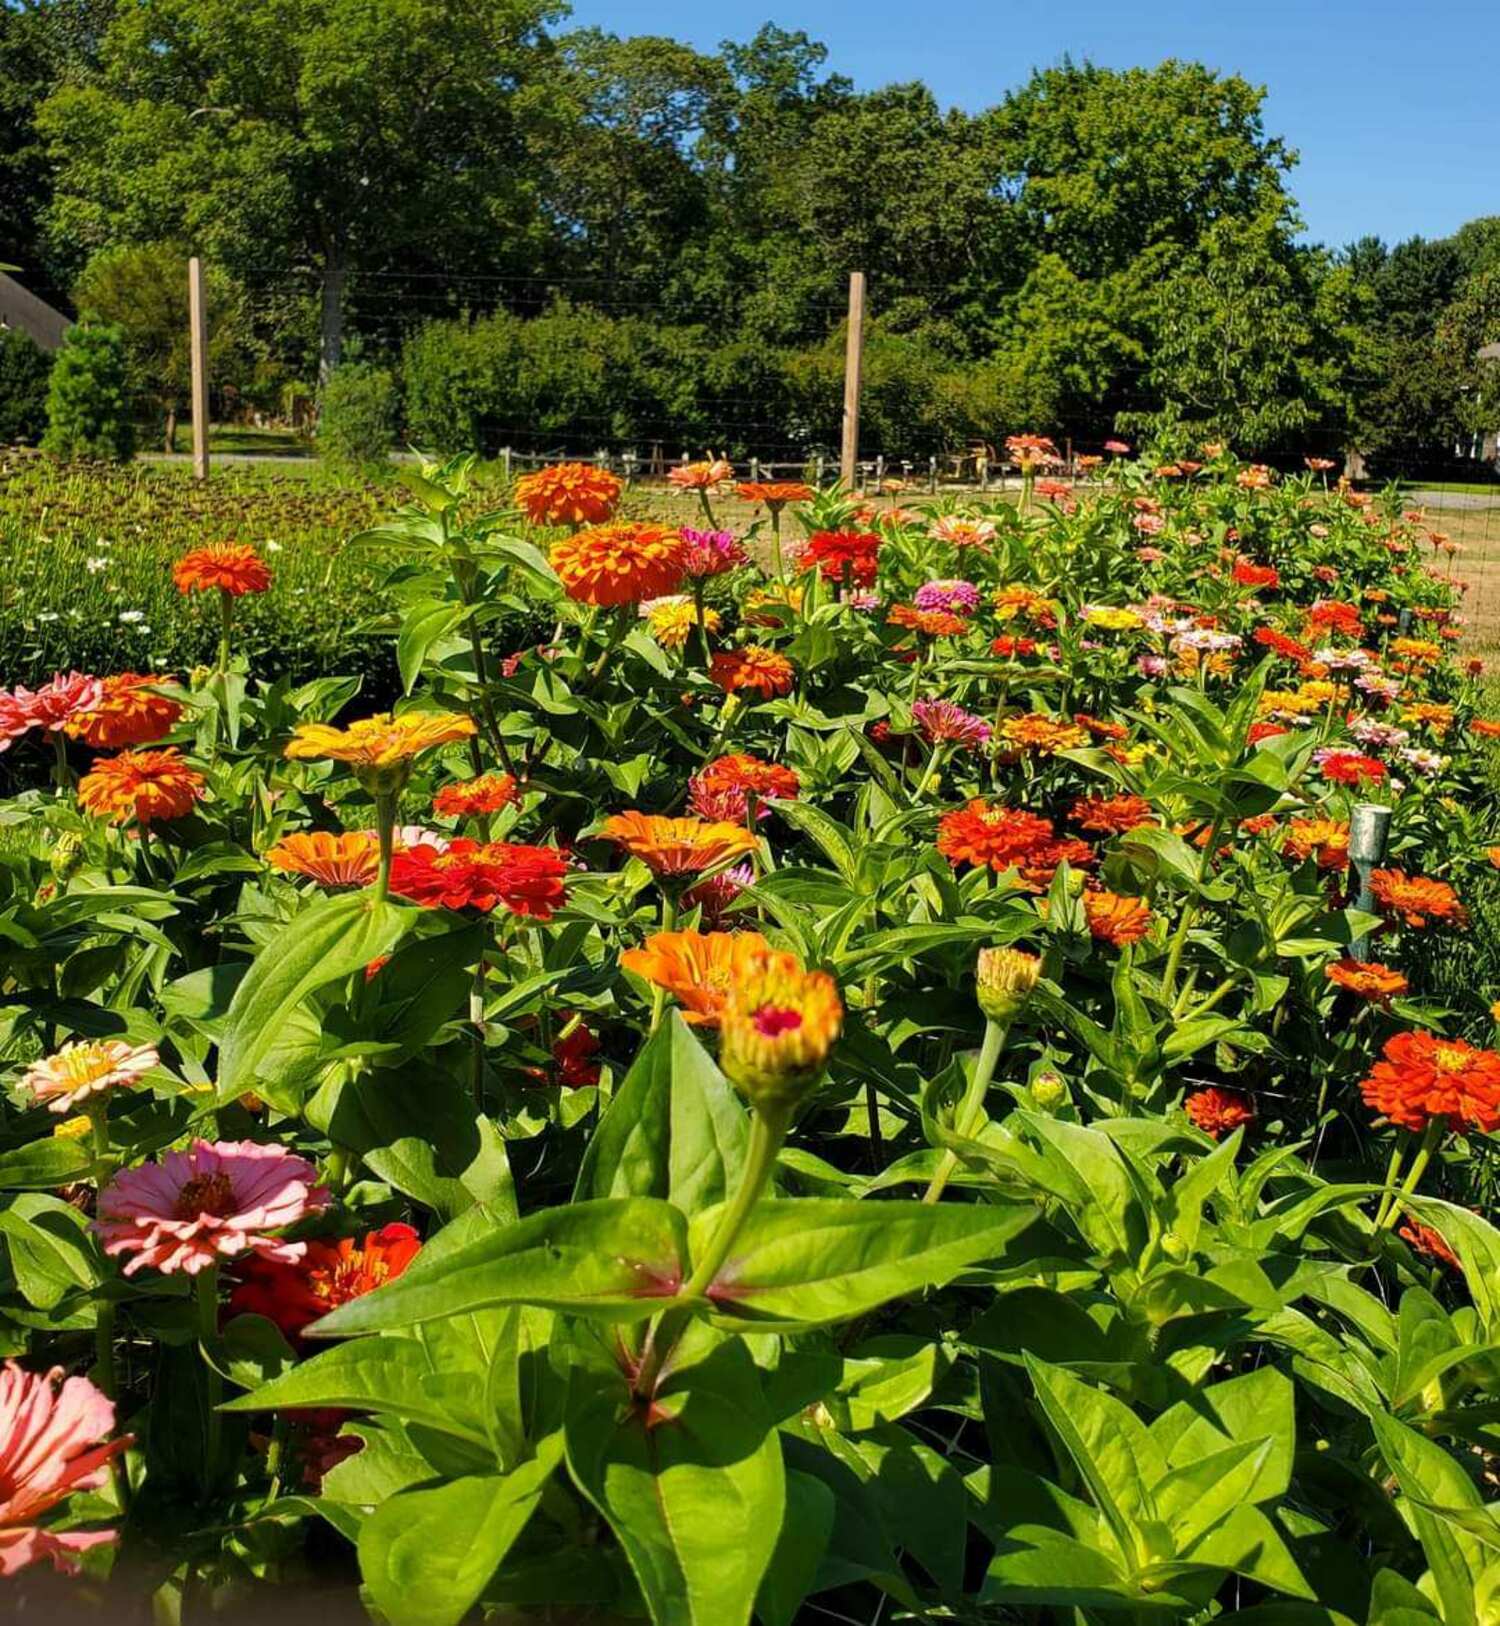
point(88, 401)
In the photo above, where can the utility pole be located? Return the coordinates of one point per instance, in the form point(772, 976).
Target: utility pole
point(853, 358)
point(198, 333)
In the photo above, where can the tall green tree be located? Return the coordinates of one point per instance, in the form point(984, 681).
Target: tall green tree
point(329, 135)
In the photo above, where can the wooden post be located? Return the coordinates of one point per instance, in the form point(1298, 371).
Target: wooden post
point(853, 359)
point(198, 336)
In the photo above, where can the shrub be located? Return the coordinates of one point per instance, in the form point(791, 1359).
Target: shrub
point(358, 416)
point(88, 402)
point(24, 370)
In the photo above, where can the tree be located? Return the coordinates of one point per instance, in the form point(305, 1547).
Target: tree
point(143, 290)
point(326, 134)
point(24, 372)
point(88, 402)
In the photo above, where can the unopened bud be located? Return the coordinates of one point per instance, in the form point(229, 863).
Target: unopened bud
point(1049, 1090)
point(67, 856)
point(1004, 979)
point(1174, 1247)
point(778, 1027)
point(198, 677)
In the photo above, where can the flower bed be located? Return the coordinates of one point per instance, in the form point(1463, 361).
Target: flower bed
point(888, 1064)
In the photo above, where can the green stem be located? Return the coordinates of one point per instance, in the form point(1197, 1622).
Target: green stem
point(104, 1310)
point(61, 773)
point(1391, 1205)
point(207, 1288)
point(226, 628)
point(971, 1108)
point(385, 826)
point(668, 922)
point(776, 545)
point(1392, 1169)
point(476, 1024)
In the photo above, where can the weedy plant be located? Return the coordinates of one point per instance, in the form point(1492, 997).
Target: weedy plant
point(850, 1070)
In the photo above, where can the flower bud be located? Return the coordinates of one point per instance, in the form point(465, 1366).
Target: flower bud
point(1175, 1247)
point(1004, 979)
point(1048, 1089)
point(778, 1027)
point(67, 857)
point(198, 677)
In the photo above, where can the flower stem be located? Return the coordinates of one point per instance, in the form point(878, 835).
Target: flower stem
point(476, 1024)
point(971, 1108)
point(385, 825)
point(207, 1290)
point(668, 921)
point(226, 628)
point(104, 1310)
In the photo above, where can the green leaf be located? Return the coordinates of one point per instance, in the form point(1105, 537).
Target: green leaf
point(805, 1529)
point(43, 1165)
point(423, 625)
point(1039, 1567)
point(693, 1487)
point(426, 1554)
point(330, 940)
point(614, 1260)
point(806, 1262)
point(675, 1129)
point(51, 1251)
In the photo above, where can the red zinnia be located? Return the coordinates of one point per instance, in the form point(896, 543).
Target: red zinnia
point(1249, 574)
point(1424, 1077)
point(1218, 1112)
point(328, 1274)
point(233, 567)
point(998, 837)
point(844, 556)
point(471, 875)
point(487, 794)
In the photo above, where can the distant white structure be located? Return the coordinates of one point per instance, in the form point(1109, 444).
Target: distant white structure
point(1487, 445)
point(22, 310)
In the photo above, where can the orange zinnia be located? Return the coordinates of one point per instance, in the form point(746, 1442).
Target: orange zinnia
point(1116, 919)
point(568, 494)
point(619, 564)
point(1217, 1111)
point(232, 567)
point(1484, 728)
point(1425, 1240)
point(1111, 815)
point(1418, 899)
point(140, 785)
point(1035, 731)
point(351, 858)
point(697, 968)
point(677, 846)
point(775, 493)
point(487, 794)
point(380, 741)
point(998, 837)
point(753, 667)
point(1367, 978)
point(126, 713)
point(700, 476)
point(750, 774)
point(1424, 1077)
point(932, 623)
point(1327, 840)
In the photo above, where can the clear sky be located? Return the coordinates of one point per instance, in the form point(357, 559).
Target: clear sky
point(1393, 107)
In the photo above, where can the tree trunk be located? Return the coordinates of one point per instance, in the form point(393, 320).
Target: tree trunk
point(171, 431)
point(331, 337)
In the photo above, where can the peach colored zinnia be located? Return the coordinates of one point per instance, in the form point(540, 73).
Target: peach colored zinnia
point(53, 1441)
point(214, 1201)
point(677, 846)
point(85, 1069)
point(350, 858)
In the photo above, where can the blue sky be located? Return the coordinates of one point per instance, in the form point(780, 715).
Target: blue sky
point(1393, 108)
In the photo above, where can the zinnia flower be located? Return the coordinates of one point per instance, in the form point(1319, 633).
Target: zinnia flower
point(568, 494)
point(211, 1202)
point(998, 837)
point(296, 1293)
point(473, 875)
point(140, 785)
point(677, 846)
point(777, 1028)
point(468, 797)
point(1115, 919)
point(1425, 1240)
point(381, 741)
point(52, 1442)
point(85, 1069)
point(753, 667)
point(232, 567)
point(958, 597)
point(1349, 767)
point(674, 619)
point(697, 968)
point(847, 557)
point(958, 532)
point(619, 564)
point(124, 712)
point(350, 858)
point(49, 708)
point(1367, 978)
point(1249, 574)
point(1423, 1077)
point(1326, 840)
point(725, 787)
point(709, 553)
point(1419, 900)
point(1111, 815)
point(943, 722)
point(774, 494)
point(700, 476)
point(1217, 1111)
point(932, 623)
point(1037, 732)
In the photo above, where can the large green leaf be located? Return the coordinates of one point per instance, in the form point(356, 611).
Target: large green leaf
point(811, 1261)
point(675, 1129)
point(426, 1554)
point(614, 1260)
point(805, 1529)
point(693, 1485)
point(333, 938)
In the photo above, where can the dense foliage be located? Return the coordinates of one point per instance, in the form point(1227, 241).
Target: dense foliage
point(882, 1060)
point(1100, 249)
point(89, 411)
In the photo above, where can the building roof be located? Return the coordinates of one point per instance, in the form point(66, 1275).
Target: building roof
point(1489, 352)
point(22, 310)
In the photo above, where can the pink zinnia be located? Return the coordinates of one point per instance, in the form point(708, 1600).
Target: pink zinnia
point(729, 803)
point(715, 895)
point(51, 1443)
point(709, 553)
point(47, 708)
point(943, 721)
point(211, 1202)
point(1118, 447)
point(957, 597)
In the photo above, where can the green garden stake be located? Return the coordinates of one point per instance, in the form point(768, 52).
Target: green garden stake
point(1403, 623)
point(1369, 826)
